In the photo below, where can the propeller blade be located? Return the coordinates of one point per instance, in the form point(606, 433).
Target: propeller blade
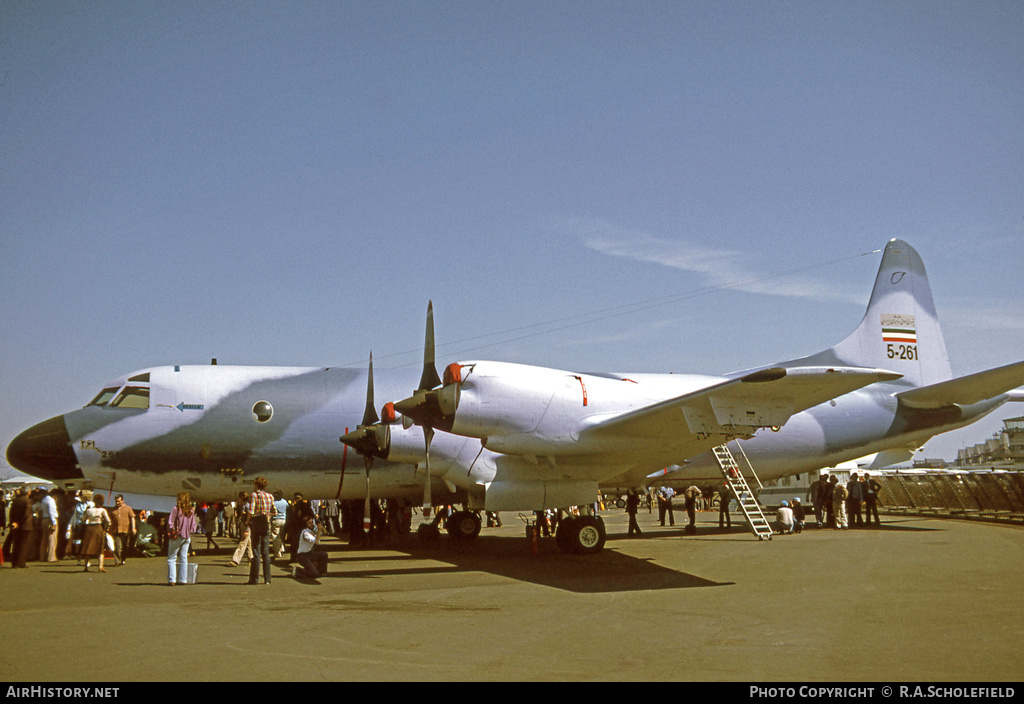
point(429, 379)
point(367, 523)
point(370, 413)
point(428, 434)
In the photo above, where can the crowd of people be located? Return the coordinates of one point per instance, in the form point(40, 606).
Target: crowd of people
point(841, 506)
point(50, 526)
point(833, 504)
point(694, 499)
point(55, 525)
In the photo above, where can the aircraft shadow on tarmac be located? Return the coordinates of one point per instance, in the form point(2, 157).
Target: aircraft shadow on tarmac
point(741, 533)
point(605, 572)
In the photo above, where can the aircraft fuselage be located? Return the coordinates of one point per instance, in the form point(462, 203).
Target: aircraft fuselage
point(210, 430)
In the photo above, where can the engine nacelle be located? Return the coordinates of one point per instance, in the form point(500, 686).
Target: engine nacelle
point(407, 444)
point(499, 399)
point(460, 460)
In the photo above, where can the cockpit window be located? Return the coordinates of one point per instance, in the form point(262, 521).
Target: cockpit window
point(104, 397)
point(132, 397)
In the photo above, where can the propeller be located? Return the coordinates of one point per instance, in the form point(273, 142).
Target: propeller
point(429, 407)
point(370, 439)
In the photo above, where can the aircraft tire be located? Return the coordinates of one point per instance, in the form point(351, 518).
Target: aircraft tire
point(464, 525)
point(587, 535)
point(428, 532)
point(564, 532)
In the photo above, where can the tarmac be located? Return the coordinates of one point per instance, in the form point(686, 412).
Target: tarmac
point(917, 600)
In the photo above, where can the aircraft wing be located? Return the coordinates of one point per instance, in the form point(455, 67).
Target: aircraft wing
point(967, 390)
point(739, 406)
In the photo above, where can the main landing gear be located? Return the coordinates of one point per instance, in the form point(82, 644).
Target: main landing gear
point(582, 535)
point(461, 525)
point(579, 535)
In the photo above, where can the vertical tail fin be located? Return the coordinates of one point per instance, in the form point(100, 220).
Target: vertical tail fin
point(900, 330)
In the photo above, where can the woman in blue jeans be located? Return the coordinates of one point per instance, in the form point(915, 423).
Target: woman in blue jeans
point(180, 527)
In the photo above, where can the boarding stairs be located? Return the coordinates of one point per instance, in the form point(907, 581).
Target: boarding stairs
point(742, 493)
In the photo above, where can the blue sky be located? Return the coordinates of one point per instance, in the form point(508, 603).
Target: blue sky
point(289, 183)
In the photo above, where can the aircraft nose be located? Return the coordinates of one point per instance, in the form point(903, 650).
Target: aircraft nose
point(44, 451)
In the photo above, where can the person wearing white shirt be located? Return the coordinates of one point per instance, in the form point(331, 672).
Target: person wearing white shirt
point(277, 525)
point(665, 505)
point(784, 519)
point(48, 521)
point(312, 563)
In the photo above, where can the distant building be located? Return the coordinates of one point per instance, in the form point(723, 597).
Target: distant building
point(1005, 448)
point(930, 464)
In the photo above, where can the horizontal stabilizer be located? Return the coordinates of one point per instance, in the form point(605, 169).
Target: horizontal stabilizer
point(966, 390)
point(890, 457)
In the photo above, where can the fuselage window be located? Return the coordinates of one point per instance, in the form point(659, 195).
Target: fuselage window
point(262, 412)
point(132, 397)
point(104, 397)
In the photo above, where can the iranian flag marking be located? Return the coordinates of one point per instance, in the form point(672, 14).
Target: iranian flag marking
point(906, 336)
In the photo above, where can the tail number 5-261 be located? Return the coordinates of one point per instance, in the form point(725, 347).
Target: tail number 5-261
point(908, 352)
